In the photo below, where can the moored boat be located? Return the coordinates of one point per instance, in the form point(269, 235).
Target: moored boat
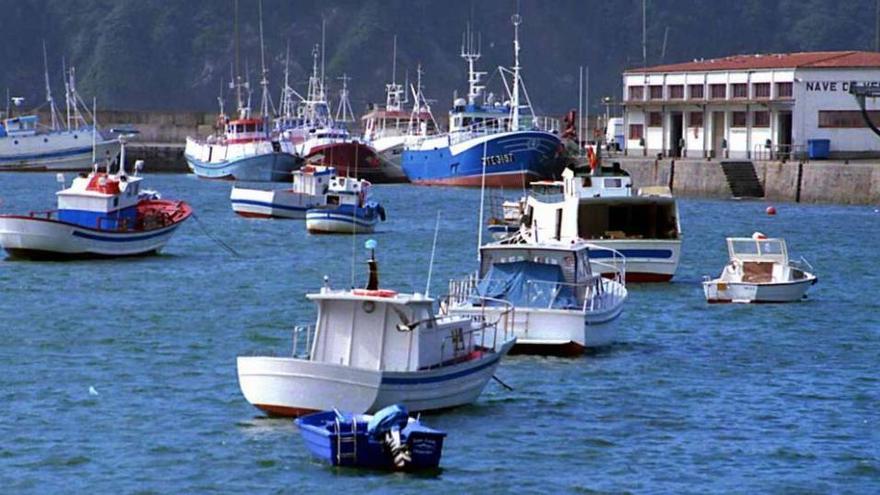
point(309, 190)
point(100, 215)
point(347, 209)
point(559, 305)
point(601, 208)
point(759, 271)
point(371, 348)
point(389, 440)
point(491, 143)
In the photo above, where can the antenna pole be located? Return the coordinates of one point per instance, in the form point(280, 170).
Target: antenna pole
point(580, 115)
point(264, 82)
point(514, 98)
point(644, 33)
point(587, 103)
point(482, 201)
point(433, 250)
point(323, 41)
point(94, 131)
point(49, 99)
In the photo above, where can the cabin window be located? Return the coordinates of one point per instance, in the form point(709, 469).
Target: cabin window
point(613, 183)
point(558, 224)
point(627, 221)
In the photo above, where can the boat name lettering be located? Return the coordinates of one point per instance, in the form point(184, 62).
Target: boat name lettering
point(498, 159)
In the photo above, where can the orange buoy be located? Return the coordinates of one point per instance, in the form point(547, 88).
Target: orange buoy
point(771, 210)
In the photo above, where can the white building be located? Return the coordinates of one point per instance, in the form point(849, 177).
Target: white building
point(751, 106)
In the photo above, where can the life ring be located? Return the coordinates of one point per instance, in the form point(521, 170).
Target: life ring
point(375, 293)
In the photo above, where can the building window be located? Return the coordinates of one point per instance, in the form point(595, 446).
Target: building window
point(656, 92)
point(845, 119)
point(740, 90)
point(739, 119)
point(718, 91)
point(696, 119)
point(695, 91)
point(761, 119)
point(655, 119)
point(761, 90)
point(636, 92)
point(636, 131)
point(783, 90)
point(676, 92)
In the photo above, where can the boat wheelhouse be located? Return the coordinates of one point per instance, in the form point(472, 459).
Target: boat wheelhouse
point(347, 209)
point(310, 186)
point(601, 208)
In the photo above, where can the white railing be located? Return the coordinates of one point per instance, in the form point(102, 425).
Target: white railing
point(616, 267)
point(306, 333)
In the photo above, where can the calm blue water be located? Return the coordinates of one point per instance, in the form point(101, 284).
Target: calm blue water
point(695, 398)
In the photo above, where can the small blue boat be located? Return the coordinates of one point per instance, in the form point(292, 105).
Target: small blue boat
point(347, 209)
point(390, 439)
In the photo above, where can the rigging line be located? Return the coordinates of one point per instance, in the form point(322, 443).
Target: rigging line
point(218, 241)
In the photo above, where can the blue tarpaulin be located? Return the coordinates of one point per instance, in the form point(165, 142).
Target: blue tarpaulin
point(527, 284)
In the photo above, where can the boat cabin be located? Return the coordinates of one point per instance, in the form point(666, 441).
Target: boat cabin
point(380, 123)
point(313, 180)
point(494, 117)
point(348, 191)
point(100, 201)
point(599, 207)
point(384, 330)
point(245, 131)
point(25, 125)
point(761, 259)
point(546, 276)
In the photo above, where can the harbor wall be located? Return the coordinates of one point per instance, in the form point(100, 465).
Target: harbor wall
point(841, 182)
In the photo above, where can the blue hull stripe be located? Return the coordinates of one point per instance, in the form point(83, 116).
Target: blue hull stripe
point(268, 205)
point(442, 378)
point(660, 254)
point(54, 154)
point(127, 238)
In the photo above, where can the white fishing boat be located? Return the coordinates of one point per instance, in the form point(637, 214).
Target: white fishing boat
point(62, 145)
point(759, 271)
point(602, 209)
point(348, 209)
point(560, 306)
point(100, 215)
point(371, 348)
point(309, 190)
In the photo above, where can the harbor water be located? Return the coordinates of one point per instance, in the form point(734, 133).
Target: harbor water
point(119, 376)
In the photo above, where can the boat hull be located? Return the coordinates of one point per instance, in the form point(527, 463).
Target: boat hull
point(41, 238)
point(292, 387)
point(342, 220)
point(354, 159)
point(273, 166)
point(513, 159)
point(73, 156)
point(558, 332)
point(739, 292)
point(647, 260)
point(284, 203)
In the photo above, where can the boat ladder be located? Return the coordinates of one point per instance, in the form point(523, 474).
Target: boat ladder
point(346, 439)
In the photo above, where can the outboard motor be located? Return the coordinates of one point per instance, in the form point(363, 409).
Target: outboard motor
point(386, 424)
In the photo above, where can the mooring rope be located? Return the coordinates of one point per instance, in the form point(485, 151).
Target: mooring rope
point(215, 239)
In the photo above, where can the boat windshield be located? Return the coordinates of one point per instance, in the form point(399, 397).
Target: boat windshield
point(758, 249)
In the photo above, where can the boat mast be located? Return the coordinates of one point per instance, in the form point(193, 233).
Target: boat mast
point(52, 109)
point(394, 92)
point(514, 97)
point(266, 99)
point(243, 111)
point(344, 113)
point(470, 51)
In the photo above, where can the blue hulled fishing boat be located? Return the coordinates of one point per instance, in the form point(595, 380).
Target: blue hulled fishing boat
point(503, 140)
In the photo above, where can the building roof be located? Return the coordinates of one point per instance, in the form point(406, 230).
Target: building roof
point(821, 60)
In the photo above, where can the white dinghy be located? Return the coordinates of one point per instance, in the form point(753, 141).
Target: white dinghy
point(371, 348)
point(759, 271)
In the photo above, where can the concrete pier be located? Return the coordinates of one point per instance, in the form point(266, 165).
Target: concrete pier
point(853, 182)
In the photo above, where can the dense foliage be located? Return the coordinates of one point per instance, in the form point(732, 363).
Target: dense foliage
point(162, 54)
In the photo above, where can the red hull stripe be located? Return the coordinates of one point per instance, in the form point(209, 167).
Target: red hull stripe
point(516, 179)
point(647, 277)
point(568, 349)
point(284, 411)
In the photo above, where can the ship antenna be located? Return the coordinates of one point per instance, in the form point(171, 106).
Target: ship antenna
point(237, 77)
point(433, 250)
point(514, 98)
point(482, 201)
